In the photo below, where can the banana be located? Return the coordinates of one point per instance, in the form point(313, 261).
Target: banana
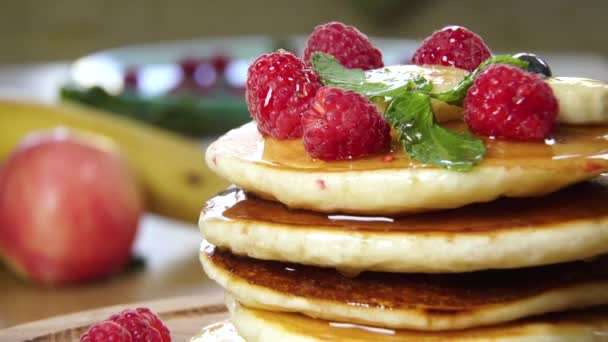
point(175, 181)
point(581, 101)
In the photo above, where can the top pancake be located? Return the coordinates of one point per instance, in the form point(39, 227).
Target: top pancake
point(282, 171)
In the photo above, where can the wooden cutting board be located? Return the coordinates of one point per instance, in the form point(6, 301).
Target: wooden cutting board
point(185, 317)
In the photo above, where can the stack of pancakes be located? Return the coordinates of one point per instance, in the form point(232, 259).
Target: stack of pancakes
point(388, 249)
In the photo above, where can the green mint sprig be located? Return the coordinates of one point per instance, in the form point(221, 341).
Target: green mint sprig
point(333, 74)
point(426, 141)
point(409, 109)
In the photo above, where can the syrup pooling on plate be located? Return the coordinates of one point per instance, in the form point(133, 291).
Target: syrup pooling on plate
point(568, 146)
point(582, 202)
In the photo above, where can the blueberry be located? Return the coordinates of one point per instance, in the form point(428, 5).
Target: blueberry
point(536, 64)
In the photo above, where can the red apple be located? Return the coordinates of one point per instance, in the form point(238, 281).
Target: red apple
point(69, 209)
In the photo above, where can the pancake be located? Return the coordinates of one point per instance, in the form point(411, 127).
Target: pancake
point(569, 225)
point(412, 301)
point(282, 171)
point(265, 326)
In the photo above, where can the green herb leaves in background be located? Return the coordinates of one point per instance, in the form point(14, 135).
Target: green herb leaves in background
point(411, 114)
point(190, 115)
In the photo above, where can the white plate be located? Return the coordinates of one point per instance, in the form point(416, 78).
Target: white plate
point(157, 62)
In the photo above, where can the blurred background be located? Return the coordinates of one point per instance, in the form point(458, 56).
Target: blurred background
point(181, 66)
point(32, 31)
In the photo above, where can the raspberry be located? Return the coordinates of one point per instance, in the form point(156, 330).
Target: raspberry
point(507, 102)
point(279, 89)
point(140, 324)
point(106, 331)
point(343, 125)
point(154, 321)
point(351, 47)
point(452, 46)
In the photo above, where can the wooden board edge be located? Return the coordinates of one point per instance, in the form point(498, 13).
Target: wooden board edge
point(212, 302)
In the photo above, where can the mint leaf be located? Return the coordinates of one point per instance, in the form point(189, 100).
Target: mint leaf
point(424, 140)
point(332, 73)
point(385, 84)
point(456, 95)
point(422, 84)
point(409, 109)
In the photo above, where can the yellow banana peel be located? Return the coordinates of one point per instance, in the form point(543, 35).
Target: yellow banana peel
point(170, 168)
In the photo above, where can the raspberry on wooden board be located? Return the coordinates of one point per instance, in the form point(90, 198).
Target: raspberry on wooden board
point(136, 325)
point(155, 322)
point(106, 331)
point(509, 103)
point(342, 124)
point(350, 47)
point(279, 89)
point(452, 46)
point(130, 325)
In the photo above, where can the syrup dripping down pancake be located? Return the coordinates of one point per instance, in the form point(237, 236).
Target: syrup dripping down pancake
point(413, 301)
point(282, 171)
point(580, 326)
point(571, 224)
point(257, 325)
